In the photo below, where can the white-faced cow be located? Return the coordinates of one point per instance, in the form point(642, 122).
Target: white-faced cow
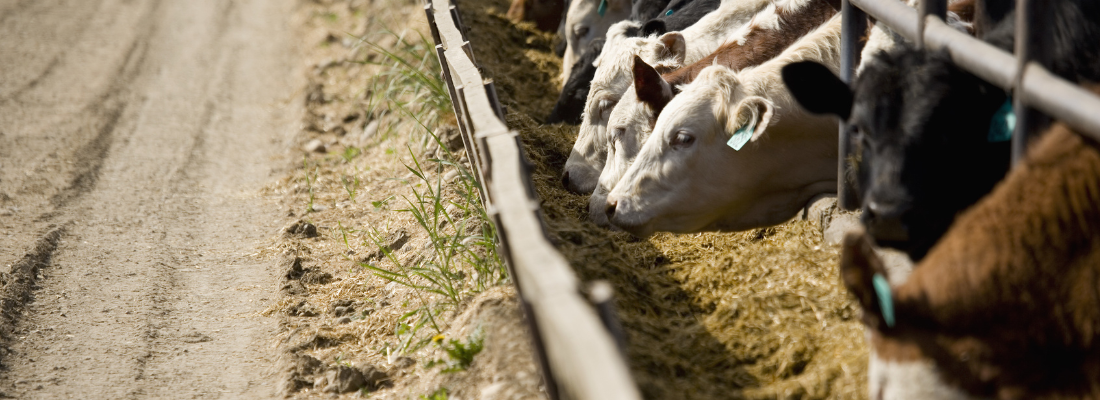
point(1007, 304)
point(633, 118)
point(732, 151)
point(588, 20)
point(613, 77)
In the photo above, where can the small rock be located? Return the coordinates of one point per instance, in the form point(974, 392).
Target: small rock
point(294, 288)
point(291, 266)
point(318, 208)
point(404, 362)
point(343, 320)
point(302, 309)
point(340, 311)
point(343, 379)
point(315, 94)
point(312, 276)
point(301, 229)
point(315, 146)
point(450, 176)
point(374, 378)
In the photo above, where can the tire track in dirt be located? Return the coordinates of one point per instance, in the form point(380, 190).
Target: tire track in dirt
point(155, 289)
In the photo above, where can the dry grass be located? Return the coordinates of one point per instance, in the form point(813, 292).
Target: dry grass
point(758, 314)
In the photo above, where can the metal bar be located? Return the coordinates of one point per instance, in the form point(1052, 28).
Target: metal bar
point(852, 33)
point(1055, 96)
point(1031, 19)
point(936, 8)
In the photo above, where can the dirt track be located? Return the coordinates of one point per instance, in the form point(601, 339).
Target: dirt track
point(145, 129)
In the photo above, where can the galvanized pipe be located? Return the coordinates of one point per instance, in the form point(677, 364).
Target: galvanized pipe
point(1055, 96)
point(929, 7)
point(853, 30)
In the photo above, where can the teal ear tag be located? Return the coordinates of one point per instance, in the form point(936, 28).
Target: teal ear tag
point(669, 12)
point(741, 137)
point(1002, 124)
point(885, 299)
point(603, 7)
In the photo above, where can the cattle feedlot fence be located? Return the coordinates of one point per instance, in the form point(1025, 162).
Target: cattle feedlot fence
point(578, 355)
point(1033, 87)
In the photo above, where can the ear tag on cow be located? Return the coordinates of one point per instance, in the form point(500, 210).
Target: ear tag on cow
point(669, 12)
point(885, 299)
point(741, 137)
point(1003, 123)
point(602, 8)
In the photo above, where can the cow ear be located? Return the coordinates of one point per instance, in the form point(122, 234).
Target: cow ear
point(650, 87)
point(859, 266)
point(817, 89)
point(675, 47)
point(748, 120)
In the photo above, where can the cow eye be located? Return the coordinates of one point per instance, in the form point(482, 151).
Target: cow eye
point(580, 31)
point(681, 139)
point(617, 133)
point(605, 108)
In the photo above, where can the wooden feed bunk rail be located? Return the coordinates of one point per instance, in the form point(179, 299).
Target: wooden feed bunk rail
point(1033, 88)
point(578, 345)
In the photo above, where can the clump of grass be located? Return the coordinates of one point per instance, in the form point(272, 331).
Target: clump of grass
point(459, 355)
point(410, 82)
point(462, 258)
point(439, 394)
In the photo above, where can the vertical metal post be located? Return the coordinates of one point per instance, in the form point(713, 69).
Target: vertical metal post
point(853, 33)
point(929, 7)
point(1032, 21)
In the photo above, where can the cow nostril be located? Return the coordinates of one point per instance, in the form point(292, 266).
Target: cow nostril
point(565, 179)
point(610, 210)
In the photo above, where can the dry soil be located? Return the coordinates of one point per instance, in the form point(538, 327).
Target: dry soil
point(142, 131)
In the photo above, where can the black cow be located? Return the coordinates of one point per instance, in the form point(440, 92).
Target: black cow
point(684, 13)
point(929, 135)
point(570, 103)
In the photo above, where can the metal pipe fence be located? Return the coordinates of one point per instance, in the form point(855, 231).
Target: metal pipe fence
point(1035, 90)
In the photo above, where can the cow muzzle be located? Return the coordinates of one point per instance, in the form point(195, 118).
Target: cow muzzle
point(884, 222)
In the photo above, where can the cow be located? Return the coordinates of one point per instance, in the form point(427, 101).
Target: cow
point(1005, 306)
point(588, 20)
point(570, 103)
point(632, 119)
point(677, 16)
point(671, 50)
point(933, 136)
point(732, 151)
point(546, 14)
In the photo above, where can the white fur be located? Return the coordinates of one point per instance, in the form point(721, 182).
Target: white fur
point(613, 76)
point(910, 380)
point(583, 13)
point(709, 186)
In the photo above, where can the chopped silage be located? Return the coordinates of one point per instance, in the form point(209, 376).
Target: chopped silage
point(755, 314)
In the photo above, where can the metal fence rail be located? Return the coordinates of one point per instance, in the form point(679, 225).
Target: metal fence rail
point(1031, 84)
point(579, 357)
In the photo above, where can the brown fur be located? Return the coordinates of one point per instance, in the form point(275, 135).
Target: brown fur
point(1008, 302)
point(546, 14)
point(760, 45)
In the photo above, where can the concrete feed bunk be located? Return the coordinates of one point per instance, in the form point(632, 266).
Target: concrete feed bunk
point(755, 314)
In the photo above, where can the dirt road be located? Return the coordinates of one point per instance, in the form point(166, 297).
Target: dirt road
point(144, 129)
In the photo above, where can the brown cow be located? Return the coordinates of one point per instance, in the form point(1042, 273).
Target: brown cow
point(1007, 304)
point(546, 14)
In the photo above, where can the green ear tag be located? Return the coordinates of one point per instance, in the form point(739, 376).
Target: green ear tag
point(741, 137)
point(1002, 124)
point(669, 12)
point(885, 299)
point(603, 7)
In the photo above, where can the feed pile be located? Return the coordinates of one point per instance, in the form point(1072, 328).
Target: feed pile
point(755, 314)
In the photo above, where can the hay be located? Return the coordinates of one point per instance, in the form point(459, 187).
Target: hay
point(757, 314)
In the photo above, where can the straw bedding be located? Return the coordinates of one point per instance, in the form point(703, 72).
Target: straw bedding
point(755, 314)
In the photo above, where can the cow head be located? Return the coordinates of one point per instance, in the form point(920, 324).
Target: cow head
point(612, 78)
point(687, 177)
point(585, 22)
point(922, 130)
point(629, 125)
point(923, 348)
